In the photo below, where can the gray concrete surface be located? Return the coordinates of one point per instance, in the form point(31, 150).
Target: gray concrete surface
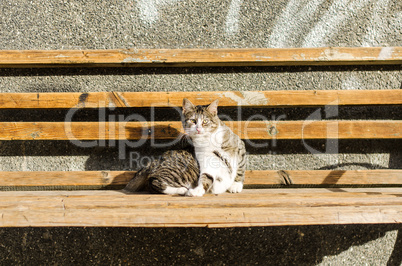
point(194, 23)
point(201, 24)
point(313, 245)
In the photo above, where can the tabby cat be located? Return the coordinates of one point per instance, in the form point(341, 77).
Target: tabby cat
point(175, 172)
point(220, 153)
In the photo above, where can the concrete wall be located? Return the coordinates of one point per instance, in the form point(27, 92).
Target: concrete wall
point(202, 24)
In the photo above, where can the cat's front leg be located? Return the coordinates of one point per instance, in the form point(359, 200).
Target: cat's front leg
point(236, 187)
point(204, 185)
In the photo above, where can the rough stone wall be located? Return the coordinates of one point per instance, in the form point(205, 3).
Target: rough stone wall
point(207, 24)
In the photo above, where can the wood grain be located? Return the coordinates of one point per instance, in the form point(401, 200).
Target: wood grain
point(201, 57)
point(250, 208)
point(309, 129)
point(226, 99)
point(51, 179)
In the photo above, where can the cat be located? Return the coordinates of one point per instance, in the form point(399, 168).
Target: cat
point(175, 172)
point(220, 153)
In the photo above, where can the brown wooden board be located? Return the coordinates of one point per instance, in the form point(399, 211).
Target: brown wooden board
point(70, 179)
point(263, 207)
point(226, 99)
point(309, 129)
point(202, 57)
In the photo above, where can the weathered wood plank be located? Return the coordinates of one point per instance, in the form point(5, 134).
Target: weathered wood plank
point(51, 179)
point(213, 218)
point(325, 177)
point(254, 208)
point(64, 178)
point(309, 129)
point(175, 99)
point(202, 57)
point(242, 200)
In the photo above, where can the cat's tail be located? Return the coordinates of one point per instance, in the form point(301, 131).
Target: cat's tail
point(138, 182)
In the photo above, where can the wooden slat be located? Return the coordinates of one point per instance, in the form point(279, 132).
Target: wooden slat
point(249, 208)
point(375, 129)
point(98, 179)
point(202, 57)
point(226, 99)
point(267, 192)
point(213, 218)
point(325, 177)
point(64, 178)
point(254, 198)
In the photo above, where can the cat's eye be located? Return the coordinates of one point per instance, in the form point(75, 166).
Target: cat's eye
point(192, 121)
point(206, 121)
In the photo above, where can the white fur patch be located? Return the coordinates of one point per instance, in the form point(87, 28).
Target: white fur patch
point(195, 192)
point(236, 187)
point(175, 190)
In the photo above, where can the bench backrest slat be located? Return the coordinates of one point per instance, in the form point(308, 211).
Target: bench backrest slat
point(175, 99)
point(102, 179)
point(336, 129)
point(202, 57)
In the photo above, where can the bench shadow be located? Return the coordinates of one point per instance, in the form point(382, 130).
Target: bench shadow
point(106, 71)
point(396, 255)
point(140, 133)
point(293, 245)
point(332, 179)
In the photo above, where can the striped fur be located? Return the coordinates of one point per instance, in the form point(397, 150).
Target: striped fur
point(224, 161)
point(174, 173)
point(220, 153)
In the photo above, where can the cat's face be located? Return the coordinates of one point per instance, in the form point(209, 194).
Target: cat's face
point(200, 120)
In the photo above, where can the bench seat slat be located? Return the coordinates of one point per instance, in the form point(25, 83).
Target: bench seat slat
point(329, 129)
point(247, 199)
point(250, 208)
point(213, 218)
point(49, 179)
point(202, 57)
point(175, 99)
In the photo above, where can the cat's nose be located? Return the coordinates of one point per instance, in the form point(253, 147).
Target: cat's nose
point(198, 130)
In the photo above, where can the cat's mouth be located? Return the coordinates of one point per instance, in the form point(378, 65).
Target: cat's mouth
point(194, 133)
point(197, 133)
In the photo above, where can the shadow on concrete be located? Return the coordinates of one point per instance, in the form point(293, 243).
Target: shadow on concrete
point(104, 71)
point(396, 256)
point(297, 245)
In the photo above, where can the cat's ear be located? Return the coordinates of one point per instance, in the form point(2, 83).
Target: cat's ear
point(187, 105)
point(213, 107)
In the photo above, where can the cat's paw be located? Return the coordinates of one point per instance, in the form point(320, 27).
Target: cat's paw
point(195, 192)
point(236, 187)
point(182, 191)
point(175, 190)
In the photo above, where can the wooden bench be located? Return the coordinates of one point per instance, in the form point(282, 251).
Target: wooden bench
point(271, 197)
